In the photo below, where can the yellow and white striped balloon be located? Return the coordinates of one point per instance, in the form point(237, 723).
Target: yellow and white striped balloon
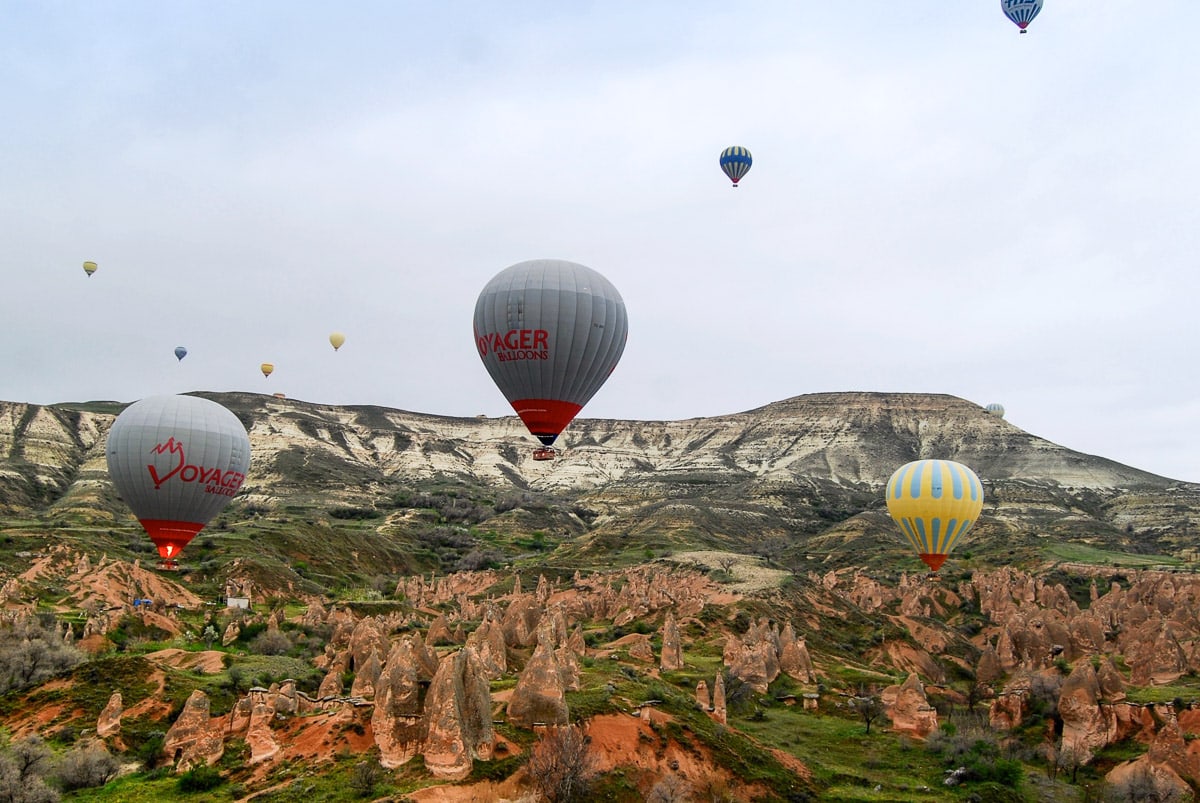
point(934, 503)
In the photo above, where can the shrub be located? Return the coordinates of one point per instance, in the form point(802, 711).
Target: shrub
point(31, 654)
point(86, 767)
point(200, 779)
point(23, 766)
point(562, 766)
point(271, 642)
point(150, 751)
point(366, 777)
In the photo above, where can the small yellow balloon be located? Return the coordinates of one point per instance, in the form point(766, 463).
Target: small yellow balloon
point(267, 368)
point(336, 340)
point(89, 268)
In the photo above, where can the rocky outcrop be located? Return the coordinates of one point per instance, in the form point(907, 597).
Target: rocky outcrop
point(109, 721)
point(194, 738)
point(488, 642)
point(458, 717)
point(1163, 770)
point(398, 721)
point(259, 736)
point(439, 632)
point(367, 676)
point(755, 664)
point(718, 703)
point(794, 660)
point(672, 646)
point(539, 697)
point(908, 708)
point(1086, 726)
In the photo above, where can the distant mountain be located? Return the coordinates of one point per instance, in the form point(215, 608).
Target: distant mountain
point(796, 481)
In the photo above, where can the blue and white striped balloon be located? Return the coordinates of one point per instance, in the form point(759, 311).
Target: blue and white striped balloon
point(736, 161)
point(1021, 12)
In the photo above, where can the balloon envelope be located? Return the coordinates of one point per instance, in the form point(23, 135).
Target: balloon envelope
point(89, 268)
point(336, 340)
point(549, 332)
point(1021, 12)
point(176, 461)
point(934, 503)
point(267, 368)
point(995, 409)
point(180, 352)
point(736, 161)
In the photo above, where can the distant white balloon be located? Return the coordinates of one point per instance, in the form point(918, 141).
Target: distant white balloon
point(995, 409)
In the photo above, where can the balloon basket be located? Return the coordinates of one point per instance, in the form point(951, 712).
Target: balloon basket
point(545, 453)
point(166, 565)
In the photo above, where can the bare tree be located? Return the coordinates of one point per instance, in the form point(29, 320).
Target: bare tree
point(86, 766)
point(670, 789)
point(716, 790)
point(23, 765)
point(562, 765)
point(367, 775)
point(30, 654)
point(869, 707)
point(1069, 760)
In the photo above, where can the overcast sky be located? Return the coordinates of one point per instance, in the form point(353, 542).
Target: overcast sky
point(937, 204)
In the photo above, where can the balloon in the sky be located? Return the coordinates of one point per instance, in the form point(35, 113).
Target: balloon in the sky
point(267, 368)
point(89, 268)
point(180, 352)
point(995, 409)
point(736, 161)
point(934, 503)
point(336, 340)
point(176, 461)
point(1021, 12)
point(549, 332)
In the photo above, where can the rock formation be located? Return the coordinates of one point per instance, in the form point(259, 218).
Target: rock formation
point(109, 721)
point(908, 708)
point(539, 697)
point(193, 739)
point(672, 645)
point(398, 719)
point(259, 736)
point(718, 703)
point(458, 717)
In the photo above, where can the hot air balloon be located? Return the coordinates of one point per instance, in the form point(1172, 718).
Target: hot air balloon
point(1021, 12)
point(89, 268)
point(176, 461)
point(549, 332)
point(267, 368)
point(336, 340)
point(735, 161)
point(995, 409)
point(934, 503)
point(180, 352)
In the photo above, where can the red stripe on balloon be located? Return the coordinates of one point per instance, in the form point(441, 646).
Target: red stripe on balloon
point(170, 536)
point(546, 418)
